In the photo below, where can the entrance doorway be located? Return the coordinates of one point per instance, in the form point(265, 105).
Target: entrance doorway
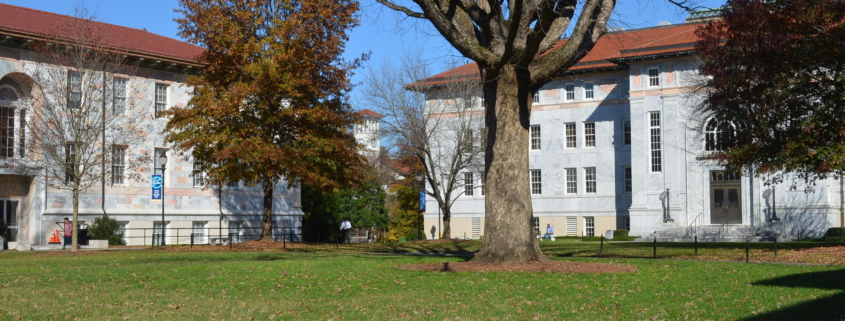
point(725, 198)
point(9, 214)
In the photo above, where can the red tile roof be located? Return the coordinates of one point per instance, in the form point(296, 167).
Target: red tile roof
point(31, 22)
point(367, 112)
point(615, 46)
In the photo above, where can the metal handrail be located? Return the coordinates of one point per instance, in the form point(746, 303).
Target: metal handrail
point(693, 226)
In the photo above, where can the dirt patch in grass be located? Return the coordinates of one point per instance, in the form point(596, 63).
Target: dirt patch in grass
point(550, 266)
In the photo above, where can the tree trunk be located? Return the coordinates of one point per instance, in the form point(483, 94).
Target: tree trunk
point(446, 233)
point(74, 244)
point(508, 227)
point(267, 214)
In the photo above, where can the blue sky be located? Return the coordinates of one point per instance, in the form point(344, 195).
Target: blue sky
point(382, 32)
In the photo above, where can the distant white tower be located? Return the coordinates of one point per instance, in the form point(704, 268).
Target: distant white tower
point(367, 133)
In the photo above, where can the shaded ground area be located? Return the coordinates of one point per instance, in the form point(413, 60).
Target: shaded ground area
point(550, 266)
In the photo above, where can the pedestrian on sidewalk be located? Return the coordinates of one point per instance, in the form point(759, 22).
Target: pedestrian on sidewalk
point(345, 226)
point(68, 233)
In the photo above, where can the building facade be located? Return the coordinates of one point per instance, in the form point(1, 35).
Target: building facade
point(33, 206)
point(616, 142)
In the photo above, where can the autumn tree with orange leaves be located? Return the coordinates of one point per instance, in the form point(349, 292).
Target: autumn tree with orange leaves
point(271, 102)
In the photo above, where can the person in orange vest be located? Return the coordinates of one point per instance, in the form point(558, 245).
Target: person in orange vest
point(68, 233)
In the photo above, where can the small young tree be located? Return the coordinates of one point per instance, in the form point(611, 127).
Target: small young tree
point(441, 124)
point(271, 102)
point(81, 111)
point(106, 228)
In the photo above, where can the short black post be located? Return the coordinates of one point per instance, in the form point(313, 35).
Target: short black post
point(177, 236)
point(230, 241)
point(746, 251)
point(655, 247)
point(601, 245)
point(192, 240)
point(776, 246)
point(284, 241)
point(696, 245)
point(335, 241)
point(145, 237)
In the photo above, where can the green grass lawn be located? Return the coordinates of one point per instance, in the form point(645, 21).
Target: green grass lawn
point(162, 285)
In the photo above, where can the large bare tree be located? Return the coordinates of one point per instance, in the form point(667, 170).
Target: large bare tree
point(82, 115)
point(517, 46)
point(441, 123)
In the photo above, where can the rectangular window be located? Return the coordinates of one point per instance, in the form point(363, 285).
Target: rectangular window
point(235, 230)
point(590, 179)
point(536, 182)
point(535, 137)
point(654, 77)
point(7, 132)
point(70, 161)
point(654, 133)
point(536, 98)
point(629, 180)
point(118, 162)
point(74, 90)
point(468, 182)
point(156, 162)
point(483, 181)
point(590, 226)
point(9, 215)
point(158, 228)
point(22, 136)
point(626, 87)
point(626, 222)
point(161, 100)
point(199, 232)
point(570, 91)
point(626, 131)
point(588, 91)
point(571, 136)
point(571, 181)
point(232, 185)
point(198, 174)
point(589, 134)
point(119, 93)
point(536, 221)
point(467, 142)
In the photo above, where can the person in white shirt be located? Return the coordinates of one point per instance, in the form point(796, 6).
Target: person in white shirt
point(345, 226)
point(549, 232)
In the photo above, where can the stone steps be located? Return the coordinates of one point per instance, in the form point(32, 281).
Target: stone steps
point(715, 233)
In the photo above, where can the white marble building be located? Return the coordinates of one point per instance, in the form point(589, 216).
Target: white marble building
point(32, 208)
point(616, 131)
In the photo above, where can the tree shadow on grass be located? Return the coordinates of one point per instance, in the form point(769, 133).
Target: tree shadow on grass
point(826, 308)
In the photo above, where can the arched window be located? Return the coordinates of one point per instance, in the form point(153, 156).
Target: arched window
point(9, 101)
point(719, 135)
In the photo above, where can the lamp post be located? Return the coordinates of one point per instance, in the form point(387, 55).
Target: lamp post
point(162, 159)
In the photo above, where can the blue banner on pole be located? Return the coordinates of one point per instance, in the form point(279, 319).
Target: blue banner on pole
point(422, 200)
point(156, 188)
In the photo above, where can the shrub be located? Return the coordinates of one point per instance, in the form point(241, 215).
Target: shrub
point(835, 234)
point(620, 233)
point(413, 235)
point(106, 228)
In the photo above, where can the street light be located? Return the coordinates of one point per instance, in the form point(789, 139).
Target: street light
point(162, 159)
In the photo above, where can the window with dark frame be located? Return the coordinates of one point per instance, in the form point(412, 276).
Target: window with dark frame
point(653, 77)
point(655, 147)
point(590, 226)
point(198, 174)
point(74, 90)
point(483, 177)
point(571, 136)
point(588, 91)
point(590, 134)
point(535, 137)
point(7, 132)
point(626, 131)
point(161, 100)
point(118, 165)
point(119, 95)
point(629, 181)
point(571, 181)
point(536, 182)
point(469, 180)
point(536, 98)
point(590, 180)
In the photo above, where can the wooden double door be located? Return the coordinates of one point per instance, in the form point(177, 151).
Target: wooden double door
point(725, 198)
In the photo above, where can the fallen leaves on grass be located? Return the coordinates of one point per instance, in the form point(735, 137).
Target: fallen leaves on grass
point(550, 266)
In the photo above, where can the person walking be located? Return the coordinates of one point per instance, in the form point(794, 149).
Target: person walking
point(345, 226)
point(68, 233)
